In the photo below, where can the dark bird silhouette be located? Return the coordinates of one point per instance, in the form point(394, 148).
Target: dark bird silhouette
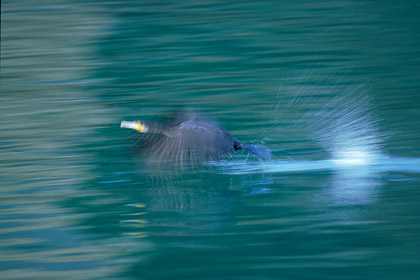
point(189, 138)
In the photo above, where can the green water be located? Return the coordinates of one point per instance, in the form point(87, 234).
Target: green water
point(331, 87)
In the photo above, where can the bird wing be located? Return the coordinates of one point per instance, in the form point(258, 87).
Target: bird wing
point(190, 141)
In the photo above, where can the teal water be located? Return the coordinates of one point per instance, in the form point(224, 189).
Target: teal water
point(331, 87)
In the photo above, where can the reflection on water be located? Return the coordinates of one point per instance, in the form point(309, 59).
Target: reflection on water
point(353, 187)
point(331, 88)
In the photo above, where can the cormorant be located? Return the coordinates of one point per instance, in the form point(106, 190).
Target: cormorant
point(188, 137)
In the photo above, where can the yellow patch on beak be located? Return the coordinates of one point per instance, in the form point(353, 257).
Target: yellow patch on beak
point(139, 127)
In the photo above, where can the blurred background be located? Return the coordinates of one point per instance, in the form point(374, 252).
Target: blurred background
point(331, 87)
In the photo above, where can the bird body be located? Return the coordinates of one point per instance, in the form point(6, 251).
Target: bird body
point(189, 139)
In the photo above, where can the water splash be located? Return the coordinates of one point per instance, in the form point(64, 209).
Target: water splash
point(339, 119)
point(346, 128)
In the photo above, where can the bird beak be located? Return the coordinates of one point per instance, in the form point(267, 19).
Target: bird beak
point(133, 125)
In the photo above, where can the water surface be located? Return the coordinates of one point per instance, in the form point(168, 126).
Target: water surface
point(332, 88)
